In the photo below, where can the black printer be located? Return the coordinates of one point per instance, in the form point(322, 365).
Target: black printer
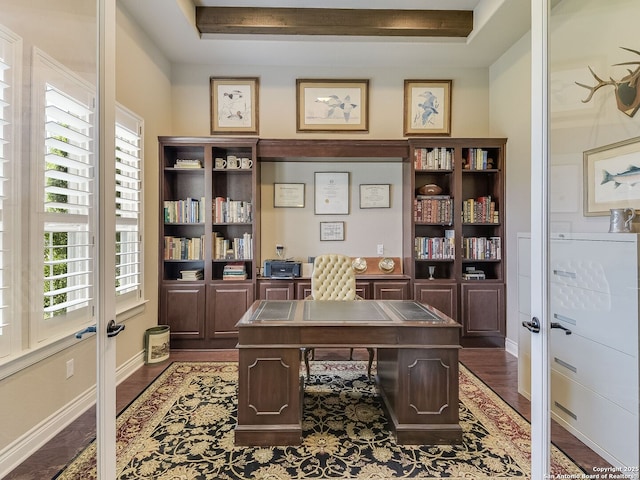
point(282, 268)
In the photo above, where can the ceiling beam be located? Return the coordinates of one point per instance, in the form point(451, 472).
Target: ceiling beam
point(331, 21)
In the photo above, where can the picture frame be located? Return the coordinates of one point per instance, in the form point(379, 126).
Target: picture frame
point(427, 107)
point(331, 193)
point(234, 105)
point(375, 195)
point(332, 105)
point(288, 195)
point(608, 182)
point(331, 231)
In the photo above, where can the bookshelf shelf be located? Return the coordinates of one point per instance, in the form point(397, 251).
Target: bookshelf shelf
point(190, 198)
point(468, 289)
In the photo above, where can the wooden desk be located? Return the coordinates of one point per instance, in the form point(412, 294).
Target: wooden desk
point(417, 365)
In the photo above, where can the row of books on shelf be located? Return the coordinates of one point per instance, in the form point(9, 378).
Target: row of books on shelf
point(443, 248)
point(183, 248)
point(478, 159)
point(481, 248)
point(433, 158)
point(191, 275)
point(187, 163)
point(436, 248)
point(234, 271)
point(239, 248)
point(190, 210)
point(433, 209)
point(226, 210)
point(480, 210)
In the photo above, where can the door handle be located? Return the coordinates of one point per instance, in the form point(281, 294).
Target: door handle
point(533, 325)
point(561, 327)
point(90, 329)
point(113, 328)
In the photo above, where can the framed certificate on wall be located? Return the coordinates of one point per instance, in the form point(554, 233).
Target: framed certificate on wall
point(288, 195)
point(331, 231)
point(375, 195)
point(332, 193)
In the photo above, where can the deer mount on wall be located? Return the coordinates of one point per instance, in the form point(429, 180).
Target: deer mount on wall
point(626, 89)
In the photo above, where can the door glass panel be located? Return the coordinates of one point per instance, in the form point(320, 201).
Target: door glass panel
point(593, 266)
point(48, 132)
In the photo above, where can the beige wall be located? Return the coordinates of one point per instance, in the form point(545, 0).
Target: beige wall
point(581, 34)
point(298, 229)
point(190, 97)
point(586, 34)
point(510, 117)
point(143, 85)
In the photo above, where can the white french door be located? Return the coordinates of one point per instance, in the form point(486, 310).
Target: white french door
point(540, 384)
point(106, 248)
point(584, 358)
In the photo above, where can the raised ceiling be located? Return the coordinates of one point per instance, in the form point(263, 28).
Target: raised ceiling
point(172, 27)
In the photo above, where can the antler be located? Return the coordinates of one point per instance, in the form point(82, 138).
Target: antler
point(601, 83)
point(627, 89)
point(634, 75)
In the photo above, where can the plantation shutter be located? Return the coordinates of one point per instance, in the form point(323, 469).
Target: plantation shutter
point(128, 205)
point(9, 65)
point(68, 203)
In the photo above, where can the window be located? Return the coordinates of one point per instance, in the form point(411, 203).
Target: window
point(128, 207)
point(10, 51)
point(65, 165)
point(59, 244)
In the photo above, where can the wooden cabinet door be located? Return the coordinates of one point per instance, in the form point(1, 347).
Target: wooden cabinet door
point(442, 296)
point(226, 303)
point(483, 311)
point(363, 289)
point(276, 290)
point(303, 289)
point(182, 307)
point(391, 290)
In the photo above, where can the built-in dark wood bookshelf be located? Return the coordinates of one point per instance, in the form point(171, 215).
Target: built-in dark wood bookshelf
point(203, 294)
point(209, 233)
point(456, 232)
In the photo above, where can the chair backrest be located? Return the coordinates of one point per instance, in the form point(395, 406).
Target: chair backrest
point(333, 278)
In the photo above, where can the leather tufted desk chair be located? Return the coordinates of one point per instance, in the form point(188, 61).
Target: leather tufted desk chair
point(333, 278)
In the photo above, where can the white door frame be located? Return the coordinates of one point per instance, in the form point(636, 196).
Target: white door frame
point(540, 373)
point(105, 242)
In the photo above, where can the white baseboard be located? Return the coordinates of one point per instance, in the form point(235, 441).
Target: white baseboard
point(511, 347)
point(25, 446)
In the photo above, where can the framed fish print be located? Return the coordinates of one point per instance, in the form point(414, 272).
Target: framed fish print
point(427, 107)
point(234, 105)
point(612, 177)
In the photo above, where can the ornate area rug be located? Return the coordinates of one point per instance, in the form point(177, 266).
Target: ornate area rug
point(182, 427)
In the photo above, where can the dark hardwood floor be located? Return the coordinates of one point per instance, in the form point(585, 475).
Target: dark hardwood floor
point(495, 367)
